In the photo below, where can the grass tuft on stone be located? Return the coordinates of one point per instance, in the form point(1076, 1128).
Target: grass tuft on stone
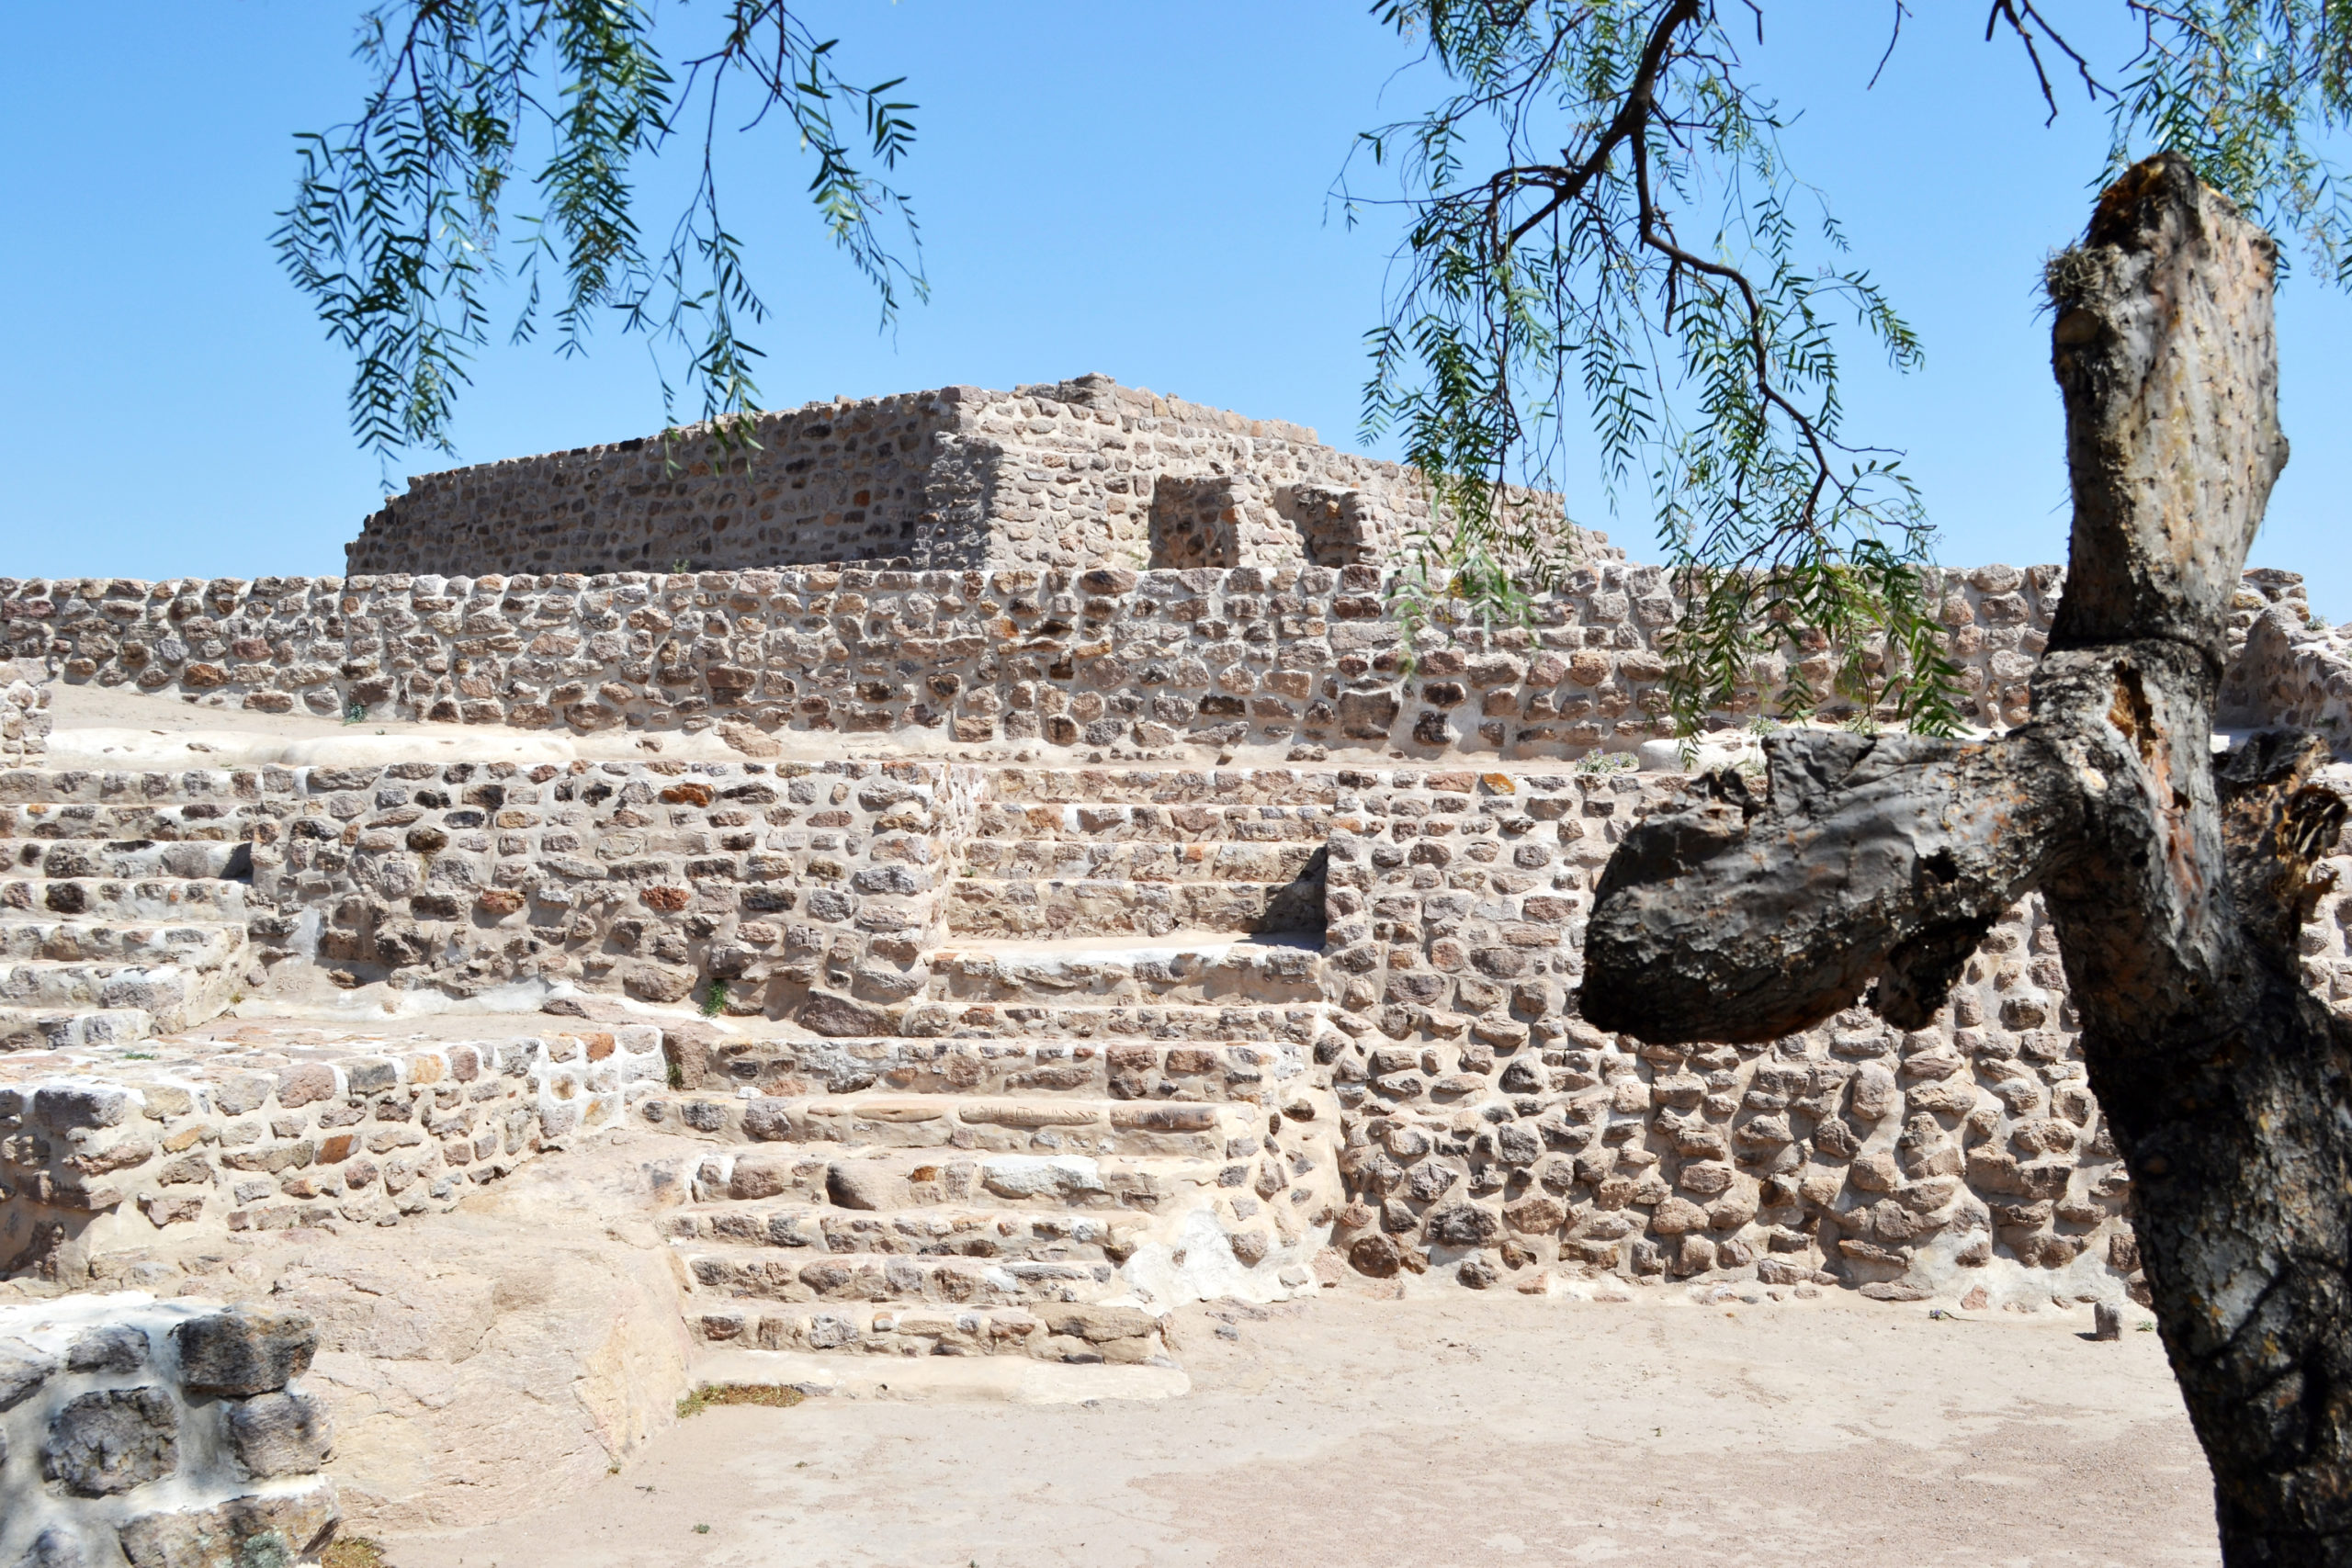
point(711, 1393)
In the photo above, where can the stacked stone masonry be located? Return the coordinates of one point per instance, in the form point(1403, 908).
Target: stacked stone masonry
point(806, 890)
point(1098, 1105)
point(1491, 1133)
point(24, 710)
point(1020, 1075)
point(106, 1150)
point(1085, 660)
point(1071, 474)
point(1024, 1054)
point(144, 1434)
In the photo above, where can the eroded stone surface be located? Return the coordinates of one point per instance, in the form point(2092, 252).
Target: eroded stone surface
point(258, 1527)
point(112, 1441)
point(280, 1434)
point(244, 1351)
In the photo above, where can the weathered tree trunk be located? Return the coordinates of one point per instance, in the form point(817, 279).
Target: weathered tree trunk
point(2177, 886)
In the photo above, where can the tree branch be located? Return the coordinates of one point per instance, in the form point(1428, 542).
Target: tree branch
point(1739, 923)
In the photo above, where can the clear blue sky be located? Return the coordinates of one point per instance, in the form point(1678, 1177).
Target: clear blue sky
point(1138, 189)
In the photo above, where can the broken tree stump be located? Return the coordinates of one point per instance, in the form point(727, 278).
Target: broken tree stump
point(2177, 882)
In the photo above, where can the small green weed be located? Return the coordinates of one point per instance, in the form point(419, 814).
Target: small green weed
point(714, 998)
point(352, 1551)
point(711, 1394)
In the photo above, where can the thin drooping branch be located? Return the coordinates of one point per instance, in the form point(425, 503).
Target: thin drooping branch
point(395, 229)
point(1632, 119)
point(2020, 18)
point(1710, 368)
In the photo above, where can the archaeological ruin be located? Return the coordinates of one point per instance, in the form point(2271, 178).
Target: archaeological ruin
point(1003, 856)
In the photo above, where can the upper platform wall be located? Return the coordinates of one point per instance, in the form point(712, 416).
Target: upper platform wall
point(1063, 475)
point(1300, 657)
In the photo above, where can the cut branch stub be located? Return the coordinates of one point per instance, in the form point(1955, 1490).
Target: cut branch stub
point(2164, 350)
point(1868, 849)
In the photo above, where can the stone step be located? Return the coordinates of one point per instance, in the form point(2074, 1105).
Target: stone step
point(1180, 967)
point(944, 1364)
point(1196, 1130)
point(1114, 1022)
point(1098, 822)
point(40, 1029)
point(197, 944)
point(197, 859)
point(935, 1232)
point(986, 906)
point(152, 786)
point(174, 997)
point(1234, 1066)
point(204, 819)
point(865, 1277)
point(732, 1184)
point(1077, 860)
point(126, 900)
point(910, 1343)
point(1161, 786)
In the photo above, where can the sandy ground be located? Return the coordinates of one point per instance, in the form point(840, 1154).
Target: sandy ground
point(1474, 1429)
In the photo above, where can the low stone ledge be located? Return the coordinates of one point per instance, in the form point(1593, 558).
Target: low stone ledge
point(113, 1148)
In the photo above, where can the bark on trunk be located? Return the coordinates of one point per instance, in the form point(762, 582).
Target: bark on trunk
point(2177, 887)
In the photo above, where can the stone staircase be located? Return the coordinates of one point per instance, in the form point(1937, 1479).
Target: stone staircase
point(1097, 1109)
point(119, 918)
point(1057, 867)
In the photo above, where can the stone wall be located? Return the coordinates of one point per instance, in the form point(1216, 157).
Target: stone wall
point(24, 710)
point(2291, 668)
point(1493, 1134)
point(808, 891)
point(159, 1435)
point(1066, 474)
point(1107, 660)
point(106, 1150)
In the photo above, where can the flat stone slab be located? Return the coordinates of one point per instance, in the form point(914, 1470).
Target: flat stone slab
point(1007, 1380)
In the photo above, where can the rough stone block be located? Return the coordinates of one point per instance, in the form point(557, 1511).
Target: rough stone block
point(112, 1441)
point(241, 1533)
point(23, 1369)
point(243, 1352)
point(280, 1434)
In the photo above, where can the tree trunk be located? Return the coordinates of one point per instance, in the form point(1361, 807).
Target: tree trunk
point(2177, 887)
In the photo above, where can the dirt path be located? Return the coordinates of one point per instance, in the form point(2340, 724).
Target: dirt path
point(1464, 1430)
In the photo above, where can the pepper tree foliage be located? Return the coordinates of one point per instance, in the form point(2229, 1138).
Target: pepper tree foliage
point(1603, 229)
point(536, 115)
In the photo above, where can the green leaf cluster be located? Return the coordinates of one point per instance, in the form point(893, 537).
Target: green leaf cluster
point(501, 141)
point(1605, 241)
